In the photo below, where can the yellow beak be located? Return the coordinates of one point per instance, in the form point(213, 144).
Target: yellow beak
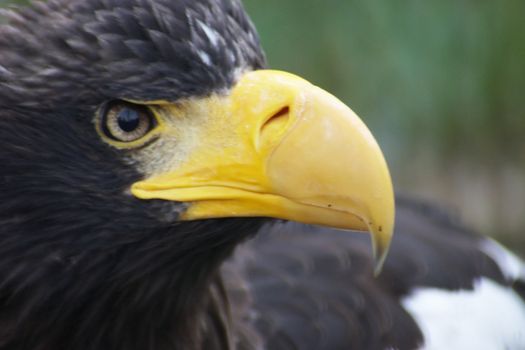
point(277, 146)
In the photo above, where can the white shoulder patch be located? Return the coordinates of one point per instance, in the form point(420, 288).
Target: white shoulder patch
point(490, 317)
point(511, 266)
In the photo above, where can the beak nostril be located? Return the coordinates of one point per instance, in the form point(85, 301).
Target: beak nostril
point(274, 127)
point(277, 122)
point(283, 112)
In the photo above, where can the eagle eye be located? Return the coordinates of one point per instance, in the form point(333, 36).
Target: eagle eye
point(126, 122)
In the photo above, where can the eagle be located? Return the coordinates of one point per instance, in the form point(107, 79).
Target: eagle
point(161, 188)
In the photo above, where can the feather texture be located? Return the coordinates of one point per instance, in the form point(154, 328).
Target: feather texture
point(86, 266)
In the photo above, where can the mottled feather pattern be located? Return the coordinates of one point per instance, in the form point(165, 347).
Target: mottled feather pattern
point(83, 264)
point(111, 48)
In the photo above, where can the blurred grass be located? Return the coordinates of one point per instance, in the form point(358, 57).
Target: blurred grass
point(441, 83)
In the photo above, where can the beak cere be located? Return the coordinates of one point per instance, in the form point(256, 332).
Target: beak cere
point(278, 146)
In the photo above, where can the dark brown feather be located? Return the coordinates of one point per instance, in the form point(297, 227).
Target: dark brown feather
point(313, 288)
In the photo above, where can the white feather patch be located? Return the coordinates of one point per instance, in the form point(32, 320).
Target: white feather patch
point(205, 58)
point(511, 266)
point(489, 317)
point(212, 34)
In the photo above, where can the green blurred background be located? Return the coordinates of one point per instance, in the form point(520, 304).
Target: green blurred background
point(441, 83)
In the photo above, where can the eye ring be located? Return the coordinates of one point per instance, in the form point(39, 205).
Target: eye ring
point(126, 122)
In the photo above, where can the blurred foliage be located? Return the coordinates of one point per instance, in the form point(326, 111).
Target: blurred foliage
point(441, 83)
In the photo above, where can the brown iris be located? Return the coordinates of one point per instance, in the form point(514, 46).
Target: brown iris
point(126, 122)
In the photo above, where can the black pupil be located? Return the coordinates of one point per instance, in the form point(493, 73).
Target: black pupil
point(128, 119)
